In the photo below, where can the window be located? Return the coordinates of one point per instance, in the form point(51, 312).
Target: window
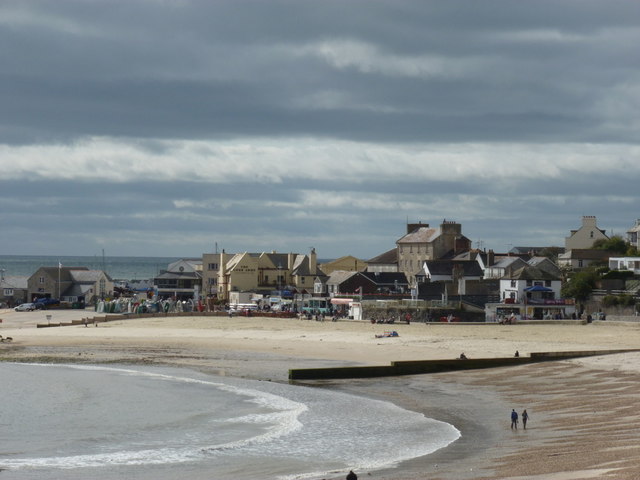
point(41, 280)
point(301, 279)
point(591, 234)
point(513, 284)
point(529, 283)
point(213, 266)
point(547, 283)
point(8, 292)
point(580, 264)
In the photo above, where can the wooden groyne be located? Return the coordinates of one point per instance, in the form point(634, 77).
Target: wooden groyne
point(417, 367)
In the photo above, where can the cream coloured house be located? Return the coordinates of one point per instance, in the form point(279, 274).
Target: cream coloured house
point(633, 235)
point(585, 236)
point(265, 272)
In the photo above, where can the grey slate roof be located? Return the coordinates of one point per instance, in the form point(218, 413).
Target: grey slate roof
point(339, 276)
point(445, 267)
point(388, 257)
point(15, 281)
point(531, 273)
point(87, 276)
point(421, 235)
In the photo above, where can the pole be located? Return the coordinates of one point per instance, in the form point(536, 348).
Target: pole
point(59, 268)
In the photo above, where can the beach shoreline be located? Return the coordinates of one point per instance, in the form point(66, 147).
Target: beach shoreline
point(582, 411)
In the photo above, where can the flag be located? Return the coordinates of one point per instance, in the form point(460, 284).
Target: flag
point(59, 265)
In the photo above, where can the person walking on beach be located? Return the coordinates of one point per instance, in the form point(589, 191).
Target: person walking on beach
point(525, 417)
point(514, 419)
point(352, 476)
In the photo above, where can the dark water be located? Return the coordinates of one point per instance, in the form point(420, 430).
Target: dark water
point(127, 268)
point(103, 423)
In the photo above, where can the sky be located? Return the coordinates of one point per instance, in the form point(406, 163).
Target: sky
point(176, 128)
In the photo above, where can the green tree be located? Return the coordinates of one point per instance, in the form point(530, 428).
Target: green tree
point(580, 285)
point(615, 244)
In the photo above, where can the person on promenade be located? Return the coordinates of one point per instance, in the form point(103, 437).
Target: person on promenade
point(517, 354)
point(525, 417)
point(352, 476)
point(514, 419)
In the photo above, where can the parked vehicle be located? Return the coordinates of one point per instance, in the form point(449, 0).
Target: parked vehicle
point(44, 303)
point(25, 307)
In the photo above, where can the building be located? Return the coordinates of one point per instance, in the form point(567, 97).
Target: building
point(388, 282)
point(13, 290)
point(631, 264)
point(633, 235)
point(181, 280)
point(348, 262)
point(579, 258)
point(266, 272)
point(530, 293)
point(211, 263)
point(515, 286)
point(88, 287)
point(385, 262)
point(70, 284)
point(585, 236)
point(347, 282)
point(422, 243)
point(504, 266)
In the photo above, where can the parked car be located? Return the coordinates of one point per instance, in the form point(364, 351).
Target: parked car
point(25, 307)
point(44, 303)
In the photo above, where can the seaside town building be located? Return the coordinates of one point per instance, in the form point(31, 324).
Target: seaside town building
point(631, 264)
point(422, 243)
point(633, 235)
point(261, 272)
point(181, 280)
point(347, 263)
point(69, 284)
point(13, 289)
point(585, 236)
point(530, 292)
point(579, 258)
point(385, 262)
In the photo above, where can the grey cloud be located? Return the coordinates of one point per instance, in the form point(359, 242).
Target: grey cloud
point(421, 72)
point(198, 70)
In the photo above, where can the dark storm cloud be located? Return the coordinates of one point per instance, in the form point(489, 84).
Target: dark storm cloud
point(533, 72)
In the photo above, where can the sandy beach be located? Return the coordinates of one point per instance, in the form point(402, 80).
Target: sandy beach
point(582, 412)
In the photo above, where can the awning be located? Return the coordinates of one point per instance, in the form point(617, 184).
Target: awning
point(341, 301)
point(538, 288)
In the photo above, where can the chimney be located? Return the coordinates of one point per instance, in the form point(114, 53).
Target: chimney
point(313, 262)
point(490, 258)
point(290, 261)
point(412, 227)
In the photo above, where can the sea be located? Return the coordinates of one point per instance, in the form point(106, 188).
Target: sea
point(160, 423)
point(118, 268)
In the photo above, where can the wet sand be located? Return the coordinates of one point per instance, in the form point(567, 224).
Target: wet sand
point(582, 412)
